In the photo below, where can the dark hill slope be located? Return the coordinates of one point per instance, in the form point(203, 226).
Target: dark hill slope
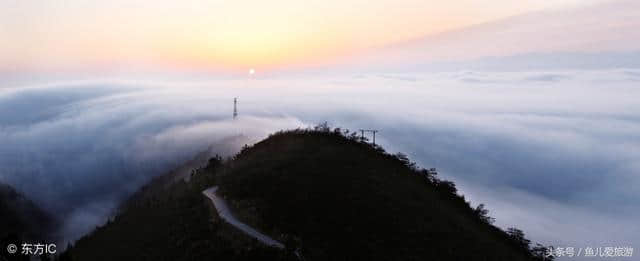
point(21, 220)
point(169, 219)
point(341, 199)
point(326, 195)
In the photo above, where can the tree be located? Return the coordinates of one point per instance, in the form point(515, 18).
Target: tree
point(483, 214)
point(216, 161)
point(518, 237)
point(541, 252)
point(322, 127)
point(447, 187)
point(405, 160)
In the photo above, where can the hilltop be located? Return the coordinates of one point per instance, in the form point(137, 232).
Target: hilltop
point(326, 194)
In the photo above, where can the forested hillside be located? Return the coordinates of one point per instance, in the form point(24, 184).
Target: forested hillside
point(327, 194)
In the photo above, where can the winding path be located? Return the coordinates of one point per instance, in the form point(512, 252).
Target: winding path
point(225, 214)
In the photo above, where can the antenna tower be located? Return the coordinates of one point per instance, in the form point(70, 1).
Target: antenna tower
point(235, 108)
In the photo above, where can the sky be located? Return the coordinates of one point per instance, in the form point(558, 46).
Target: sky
point(227, 36)
point(604, 29)
point(530, 107)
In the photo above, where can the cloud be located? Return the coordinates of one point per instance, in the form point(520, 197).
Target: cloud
point(78, 150)
point(556, 158)
point(552, 152)
point(552, 222)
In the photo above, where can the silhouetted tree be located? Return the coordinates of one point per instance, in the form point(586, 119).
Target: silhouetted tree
point(518, 237)
point(483, 214)
point(215, 161)
point(541, 252)
point(447, 187)
point(322, 127)
point(406, 161)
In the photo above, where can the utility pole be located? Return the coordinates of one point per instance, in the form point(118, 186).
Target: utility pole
point(362, 131)
point(374, 136)
point(235, 108)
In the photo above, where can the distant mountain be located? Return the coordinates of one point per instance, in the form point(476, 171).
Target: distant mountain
point(324, 193)
point(21, 220)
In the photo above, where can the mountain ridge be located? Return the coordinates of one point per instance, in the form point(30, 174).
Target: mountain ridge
point(325, 193)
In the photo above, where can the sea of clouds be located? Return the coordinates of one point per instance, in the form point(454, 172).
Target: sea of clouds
point(555, 153)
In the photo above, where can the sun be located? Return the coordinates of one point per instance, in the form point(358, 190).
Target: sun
point(252, 71)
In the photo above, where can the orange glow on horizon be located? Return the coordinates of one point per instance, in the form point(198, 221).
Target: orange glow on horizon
point(227, 35)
